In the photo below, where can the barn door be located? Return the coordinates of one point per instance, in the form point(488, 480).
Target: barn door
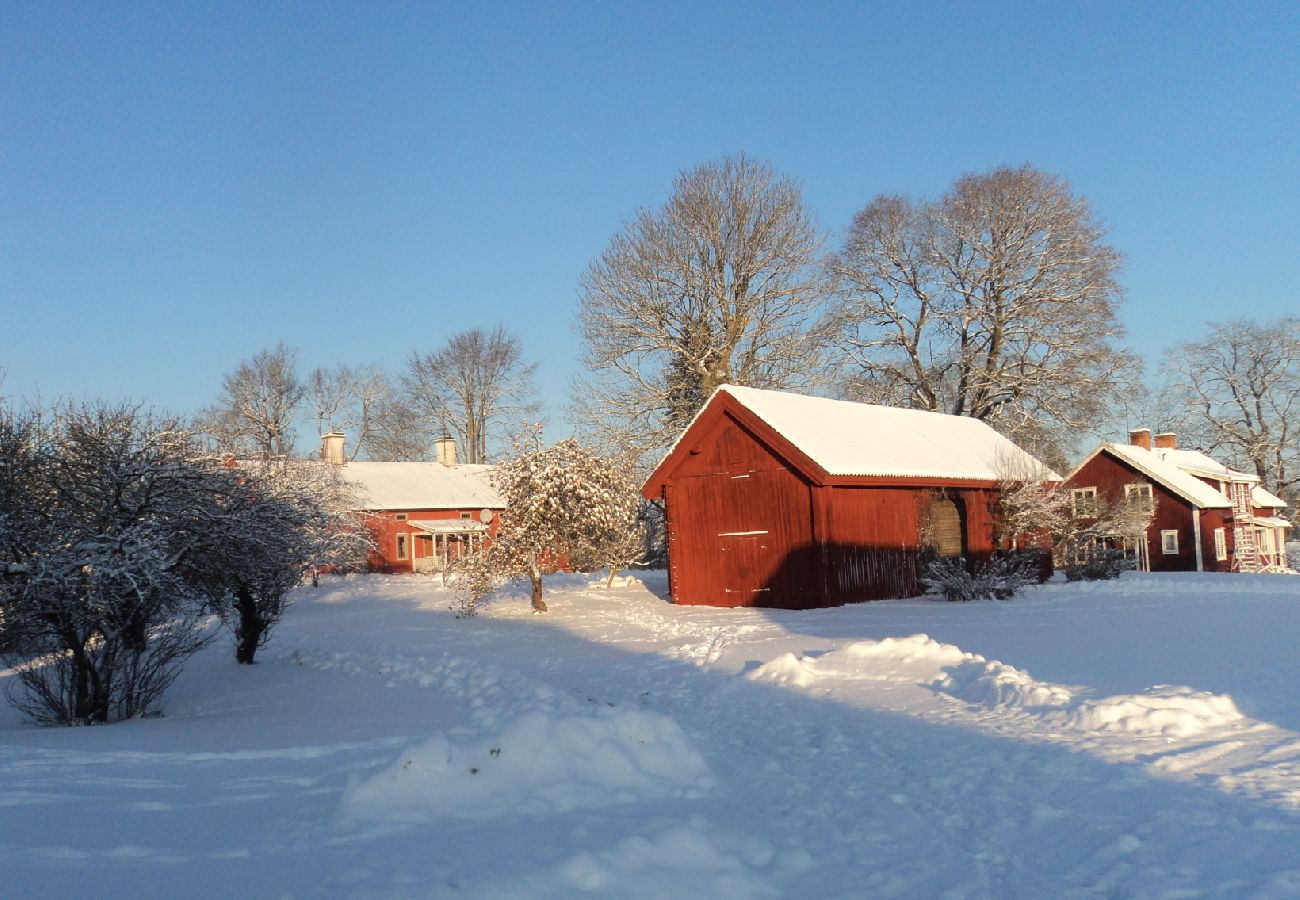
point(948, 533)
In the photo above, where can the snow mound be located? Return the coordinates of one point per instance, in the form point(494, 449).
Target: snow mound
point(1177, 712)
point(690, 860)
point(868, 660)
point(997, 685)
point(536, 765)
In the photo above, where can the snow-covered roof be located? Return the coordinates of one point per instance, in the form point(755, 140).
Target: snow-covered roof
point(862, 439)
point(1197, 463)
point(1271, 521)
point(1157, 466)
point(1261, 496)
point(422, 485)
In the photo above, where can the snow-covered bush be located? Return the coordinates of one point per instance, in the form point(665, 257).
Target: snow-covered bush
point(1001, 578)
point(567, 507)
point(1098, 563)
point(101, 516)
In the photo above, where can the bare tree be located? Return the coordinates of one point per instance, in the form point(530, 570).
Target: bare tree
point(718, 286)
point(354, 400)
point(259, 402)
point(1238, 392)
point(470, 388)
point(997, 301)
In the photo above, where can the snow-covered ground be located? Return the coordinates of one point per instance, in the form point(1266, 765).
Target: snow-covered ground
point(1135, 739)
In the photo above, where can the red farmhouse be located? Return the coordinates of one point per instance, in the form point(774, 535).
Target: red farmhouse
point(1207, 517)
point(782, 500)
point(422, 514)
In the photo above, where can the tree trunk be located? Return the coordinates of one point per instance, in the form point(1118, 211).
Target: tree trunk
point(539, 605)
point(249, 631)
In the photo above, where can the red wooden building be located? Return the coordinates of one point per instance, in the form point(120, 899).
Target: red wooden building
point(422, 514)
point(782, 500)
point(1207, 517)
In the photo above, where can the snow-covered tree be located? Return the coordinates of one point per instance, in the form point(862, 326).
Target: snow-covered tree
point(566, 508)
point(270, 524)
point(720, 285)
point(100, 616)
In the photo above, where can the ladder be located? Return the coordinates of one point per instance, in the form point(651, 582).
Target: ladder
point(1245, 550)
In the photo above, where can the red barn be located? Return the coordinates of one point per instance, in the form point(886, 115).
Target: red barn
point(422, 514)
point(1207, 517)
point(782, 500)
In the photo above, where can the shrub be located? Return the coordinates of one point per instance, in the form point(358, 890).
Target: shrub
point(1098, 564)
point(1001, 578)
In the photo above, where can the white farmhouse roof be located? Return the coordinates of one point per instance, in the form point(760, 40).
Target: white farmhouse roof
point(1261, 496)
point(422, 485)
point(847, 438)
point(1197, 463)
point(1157, 466)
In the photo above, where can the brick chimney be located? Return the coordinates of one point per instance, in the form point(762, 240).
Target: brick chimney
point(331, 448)
point(1140, 437)
point(1167, 441)
point(445, 450)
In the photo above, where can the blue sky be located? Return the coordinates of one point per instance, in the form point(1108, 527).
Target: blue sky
point(182, 185)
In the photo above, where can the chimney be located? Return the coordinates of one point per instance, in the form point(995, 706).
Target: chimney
point(331, 448)
point(1167, 441)
point(445, 450)
point(1140, 437)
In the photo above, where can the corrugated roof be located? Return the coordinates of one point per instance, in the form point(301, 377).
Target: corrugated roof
point(422, 485)
point(862, 439)
point(1159, 468)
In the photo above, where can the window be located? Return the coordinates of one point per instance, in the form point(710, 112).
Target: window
point(466, 515)
point(1220, 544)
point(1169, 543)
point(1085, 501)
point(401, 517)
point(402, 548)
point(1140, 495)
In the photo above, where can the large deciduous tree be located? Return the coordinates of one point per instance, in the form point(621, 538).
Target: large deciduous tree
point(471, 388)
point(1237, 391)
point(254, 416)
point(719, 285)
point(997, 301)
point(355, 400)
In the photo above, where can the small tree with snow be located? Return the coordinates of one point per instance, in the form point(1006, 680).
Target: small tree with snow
point(566, 507)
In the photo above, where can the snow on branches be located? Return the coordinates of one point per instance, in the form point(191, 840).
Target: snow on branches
point(567, 508)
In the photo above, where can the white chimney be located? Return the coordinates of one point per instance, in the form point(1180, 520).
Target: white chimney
point(331, 448)
point(445, 450)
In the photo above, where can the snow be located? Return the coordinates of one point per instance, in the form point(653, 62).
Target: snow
point(862, 439)
point(422, 485)
point(1262, 497)
point(1134, 738)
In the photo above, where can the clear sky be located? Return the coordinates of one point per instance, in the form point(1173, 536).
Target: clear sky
point(184, 184)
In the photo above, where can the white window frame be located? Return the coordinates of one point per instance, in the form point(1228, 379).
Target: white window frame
point(401, 517)
point(1083, 502)
point(1221, 544)
point(1169, 542)
point(403, 545)
point(1143, 490)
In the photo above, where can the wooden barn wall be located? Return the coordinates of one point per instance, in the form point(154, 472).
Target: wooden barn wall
point(1173, 513)
point(740, 527)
